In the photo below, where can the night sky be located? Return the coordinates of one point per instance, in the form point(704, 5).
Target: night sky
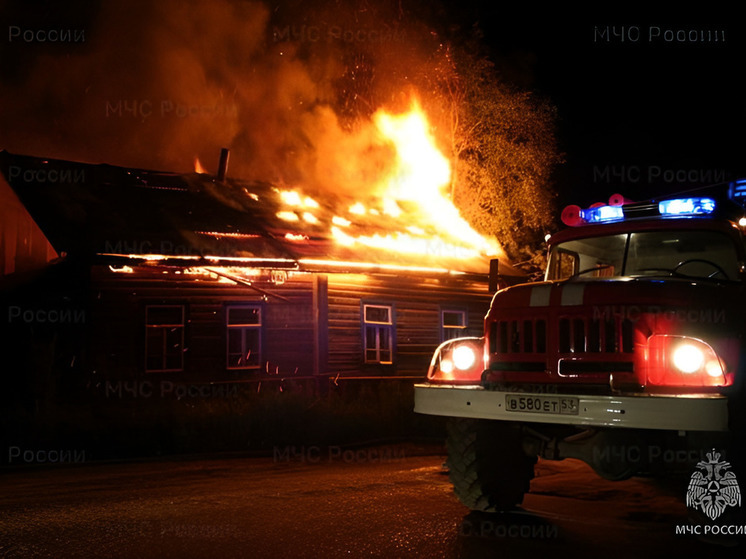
point(634, 114)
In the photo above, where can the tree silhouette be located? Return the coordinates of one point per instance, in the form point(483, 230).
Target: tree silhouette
point(503, 147)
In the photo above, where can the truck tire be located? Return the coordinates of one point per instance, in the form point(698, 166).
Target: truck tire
point(487, 465)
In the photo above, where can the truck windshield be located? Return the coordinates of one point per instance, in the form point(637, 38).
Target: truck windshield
point(697, 254)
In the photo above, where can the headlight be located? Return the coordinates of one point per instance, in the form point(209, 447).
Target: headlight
point(459, 361)
point(446, 366)
point(683, 361)
point(688, 358)
point(464, 357)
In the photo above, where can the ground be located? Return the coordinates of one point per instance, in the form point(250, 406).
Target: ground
point(379, 501)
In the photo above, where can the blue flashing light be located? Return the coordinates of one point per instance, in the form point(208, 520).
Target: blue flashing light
point(737, 191)
point(602, 214)
point(687, 206)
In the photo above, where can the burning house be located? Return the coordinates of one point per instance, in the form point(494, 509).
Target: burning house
point(113, 274)
point(328, 257)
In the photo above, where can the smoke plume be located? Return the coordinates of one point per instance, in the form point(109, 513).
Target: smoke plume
point(289, 87)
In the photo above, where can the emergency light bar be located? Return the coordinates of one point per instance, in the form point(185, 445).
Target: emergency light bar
point(600, 213)
point(687, 206)
point(737, 192)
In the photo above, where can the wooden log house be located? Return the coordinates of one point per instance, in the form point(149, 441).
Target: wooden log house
point(111, 273)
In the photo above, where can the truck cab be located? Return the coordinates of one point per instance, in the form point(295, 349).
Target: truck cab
point(628, 355)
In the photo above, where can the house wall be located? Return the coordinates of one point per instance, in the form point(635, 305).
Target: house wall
point(23, 247)
point(416, 302)
point(311, 323)
point(118, 308)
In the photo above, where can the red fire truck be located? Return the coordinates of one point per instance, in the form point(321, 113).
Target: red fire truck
point(627, 356)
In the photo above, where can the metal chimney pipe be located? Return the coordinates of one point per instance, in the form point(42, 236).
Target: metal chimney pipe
point(494, 277)
point(223, 164)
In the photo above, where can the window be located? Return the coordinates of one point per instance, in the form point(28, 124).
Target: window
point(591, 257)
point(695, 254)
point(244, 335)
point(669, 253)
point(452, 324)
point(378, 333)
point(164, 338)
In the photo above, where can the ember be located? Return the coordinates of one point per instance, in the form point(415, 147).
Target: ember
point(198, 168)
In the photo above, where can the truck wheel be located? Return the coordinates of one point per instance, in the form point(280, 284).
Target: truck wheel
point(487, 465)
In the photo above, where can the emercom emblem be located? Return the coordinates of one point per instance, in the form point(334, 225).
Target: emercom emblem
point(713, 487)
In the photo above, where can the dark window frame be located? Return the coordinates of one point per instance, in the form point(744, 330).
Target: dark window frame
point(449, 332)
point(165, 328)
point(378, 327)
point(245, 328)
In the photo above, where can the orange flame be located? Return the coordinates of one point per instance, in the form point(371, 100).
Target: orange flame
point(407, 209)
point(198, 168)
point(421, 170)
point(422, 175)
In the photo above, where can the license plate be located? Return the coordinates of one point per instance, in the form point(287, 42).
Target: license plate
point(559, 405)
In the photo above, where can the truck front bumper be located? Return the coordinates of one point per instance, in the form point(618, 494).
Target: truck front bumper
point(677, 413)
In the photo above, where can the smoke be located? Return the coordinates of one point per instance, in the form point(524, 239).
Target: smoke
point(289, 87)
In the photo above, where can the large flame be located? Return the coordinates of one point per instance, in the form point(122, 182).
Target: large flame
point(421, 170)
point(423, 175)
point(408, 210)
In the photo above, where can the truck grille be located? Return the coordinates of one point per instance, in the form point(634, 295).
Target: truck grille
point(574, 335)
point(513, 336)
point(582, 335)
point(567, 349)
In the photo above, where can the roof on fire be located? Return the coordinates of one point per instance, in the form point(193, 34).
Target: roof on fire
point(102, 211)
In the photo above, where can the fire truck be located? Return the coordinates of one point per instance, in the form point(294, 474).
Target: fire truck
point(628, 355)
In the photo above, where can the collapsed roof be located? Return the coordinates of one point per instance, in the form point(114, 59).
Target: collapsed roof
point(110, 212)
